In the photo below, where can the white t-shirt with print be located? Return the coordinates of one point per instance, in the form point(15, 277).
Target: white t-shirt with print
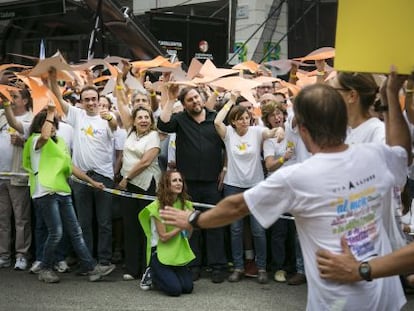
point(92, 142)
point(331, 195)
point(244, 168)
point(373, 131)
point(134, 149)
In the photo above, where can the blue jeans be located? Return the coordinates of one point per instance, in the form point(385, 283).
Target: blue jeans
point(278, 237)
point(172, 280)
point(41, 236)
point(300, 265)
point(258, 233)
point(58, 214)
point(89, 202)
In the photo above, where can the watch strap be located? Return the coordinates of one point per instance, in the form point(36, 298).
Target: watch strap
point(193, 218)
point(364, 270)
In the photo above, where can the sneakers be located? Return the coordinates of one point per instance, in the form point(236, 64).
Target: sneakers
point(217, 276)
point(297, 279)
point(236, 276)
point(262, 277)
point(128, 277)
point(146, 280)
point(48, 276)
point(36, 267)
point(250, 269)
point(61, 267)
point(4, 262)
point(280, 276)
point(100, 271)
point(21, 264)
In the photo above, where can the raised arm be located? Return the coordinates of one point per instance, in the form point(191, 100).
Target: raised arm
point(54, 87)
point(221, 115)
point(11, 118)
point(396, 128)
point(122, 103)
point(46, 131)
point(409, 98)
point(172, 94)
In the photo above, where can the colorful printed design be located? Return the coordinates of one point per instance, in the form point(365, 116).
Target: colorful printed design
point(356, 218)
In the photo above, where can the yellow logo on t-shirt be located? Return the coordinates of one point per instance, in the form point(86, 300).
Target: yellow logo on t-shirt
point(242, 146)
point(89, 131)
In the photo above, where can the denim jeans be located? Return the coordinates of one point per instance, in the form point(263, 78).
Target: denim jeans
point(90, 202)
point(300, 265)
point(172, 280)
point(41, 236)
point(58, 214)
point(258, 233)
point(278, 237)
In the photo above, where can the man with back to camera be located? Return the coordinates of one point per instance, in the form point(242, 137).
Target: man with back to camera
point(338, 191)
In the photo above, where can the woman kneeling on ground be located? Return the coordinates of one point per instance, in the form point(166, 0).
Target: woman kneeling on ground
point(168, 250)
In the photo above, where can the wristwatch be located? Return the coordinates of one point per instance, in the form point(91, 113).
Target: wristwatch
point(193, 218)
point(365, 271)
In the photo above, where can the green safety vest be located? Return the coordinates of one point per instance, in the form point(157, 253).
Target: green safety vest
point(55, 165)
point(177, 250)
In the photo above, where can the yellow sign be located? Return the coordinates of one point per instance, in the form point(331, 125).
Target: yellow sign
point(372, 35)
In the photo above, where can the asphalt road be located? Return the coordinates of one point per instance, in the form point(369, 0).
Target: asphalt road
point(22, 291)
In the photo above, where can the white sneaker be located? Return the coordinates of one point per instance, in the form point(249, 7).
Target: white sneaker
point(4, 262)
point(62, 267)
point(21, 264)
point(36, 267)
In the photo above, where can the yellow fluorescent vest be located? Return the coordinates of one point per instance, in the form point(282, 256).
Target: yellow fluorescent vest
point(55, 165)
point(177, 250)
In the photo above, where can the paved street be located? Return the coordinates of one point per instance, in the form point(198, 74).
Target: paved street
point(22, 291)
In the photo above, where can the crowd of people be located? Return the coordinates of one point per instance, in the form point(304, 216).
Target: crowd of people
point(317, 162)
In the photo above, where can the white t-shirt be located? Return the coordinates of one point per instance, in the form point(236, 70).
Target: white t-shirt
point(6, 147)
point(294, 141)
point(244, 167)
point(134, 149)
point(331, 195)
point(370, 131)
point(92, 142)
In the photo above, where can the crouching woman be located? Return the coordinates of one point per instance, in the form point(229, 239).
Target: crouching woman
point(168, 250)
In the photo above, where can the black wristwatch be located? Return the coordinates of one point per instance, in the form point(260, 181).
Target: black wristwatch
point(193, 218)
point(365, 271)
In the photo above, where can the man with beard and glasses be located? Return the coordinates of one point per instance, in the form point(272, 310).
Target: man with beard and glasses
point(199, 156)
